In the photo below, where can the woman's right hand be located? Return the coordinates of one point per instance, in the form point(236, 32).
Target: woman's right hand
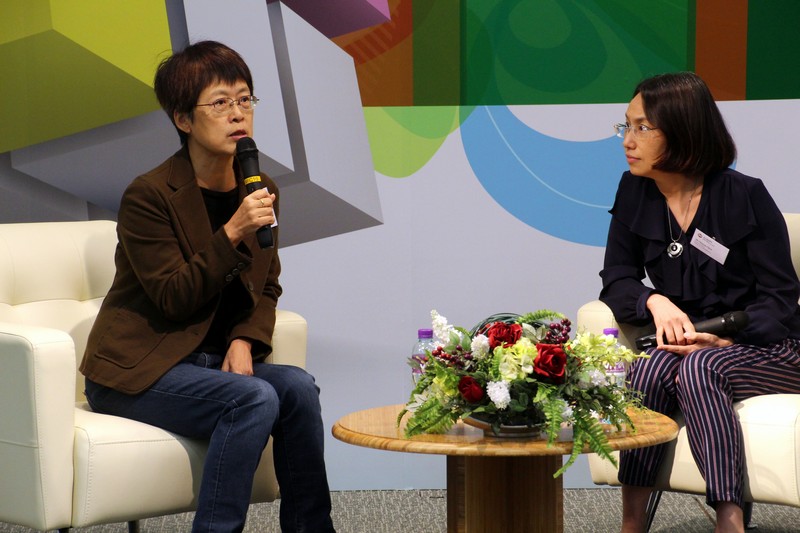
point(254, 213)
point(670, 321)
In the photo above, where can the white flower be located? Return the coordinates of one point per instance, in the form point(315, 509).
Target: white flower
point(440, 327)
point(598, 378)
point(480, 346)
point(498, 393)
point(592, 378)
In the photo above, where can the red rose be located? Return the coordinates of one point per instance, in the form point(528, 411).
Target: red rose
point(502, 334)
point(550, 362)
point(470, 389)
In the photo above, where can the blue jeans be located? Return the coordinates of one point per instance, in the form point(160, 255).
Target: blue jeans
point(237, 414)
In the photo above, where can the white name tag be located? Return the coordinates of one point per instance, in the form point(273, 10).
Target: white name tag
point(709, 246)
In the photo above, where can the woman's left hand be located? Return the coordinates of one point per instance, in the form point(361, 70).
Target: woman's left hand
point(239, 359)
point(696, 341)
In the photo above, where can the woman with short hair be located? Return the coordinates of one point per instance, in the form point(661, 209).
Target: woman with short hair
point(181, 339)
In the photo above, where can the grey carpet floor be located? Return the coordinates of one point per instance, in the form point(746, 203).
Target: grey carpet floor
point(423, 511)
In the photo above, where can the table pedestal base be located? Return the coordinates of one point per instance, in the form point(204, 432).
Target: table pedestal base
point(495, 485)
point(504, 494)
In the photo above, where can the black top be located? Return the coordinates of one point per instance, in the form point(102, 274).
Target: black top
point(757, 277)
point(221, 206)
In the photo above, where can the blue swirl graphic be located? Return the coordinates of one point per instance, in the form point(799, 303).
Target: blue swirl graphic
point(562, 188)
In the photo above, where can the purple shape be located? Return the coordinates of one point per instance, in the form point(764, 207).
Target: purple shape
point(337, 17)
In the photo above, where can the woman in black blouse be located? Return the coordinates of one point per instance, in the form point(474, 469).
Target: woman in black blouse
point(711, 240)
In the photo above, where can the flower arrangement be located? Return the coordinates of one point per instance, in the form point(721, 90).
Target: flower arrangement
point(522, 370)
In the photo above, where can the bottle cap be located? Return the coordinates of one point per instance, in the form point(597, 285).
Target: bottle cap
point(611, 331)
point(425, 333)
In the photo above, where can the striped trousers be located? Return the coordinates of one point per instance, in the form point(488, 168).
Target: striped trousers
point(708, 382)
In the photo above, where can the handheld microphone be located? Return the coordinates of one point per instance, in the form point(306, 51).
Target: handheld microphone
point(722, 326)
point(247, 155)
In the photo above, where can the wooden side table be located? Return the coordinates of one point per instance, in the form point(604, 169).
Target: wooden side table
point(494, 485)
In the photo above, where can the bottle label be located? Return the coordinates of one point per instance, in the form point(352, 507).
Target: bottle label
point(616, 373)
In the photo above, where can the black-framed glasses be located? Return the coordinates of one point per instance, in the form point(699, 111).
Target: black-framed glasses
point(638, 131)
point(224, 105)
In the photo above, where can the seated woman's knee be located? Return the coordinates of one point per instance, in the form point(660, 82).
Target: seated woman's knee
point(257, 392)
point(698, 364)
point(301, 388)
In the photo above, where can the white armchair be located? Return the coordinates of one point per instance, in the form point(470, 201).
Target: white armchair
point(771, 427)
point(62, 464)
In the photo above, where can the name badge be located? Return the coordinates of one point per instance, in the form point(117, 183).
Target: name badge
point(709, 246)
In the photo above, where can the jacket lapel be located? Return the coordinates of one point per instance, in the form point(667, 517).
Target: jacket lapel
point(187, 202)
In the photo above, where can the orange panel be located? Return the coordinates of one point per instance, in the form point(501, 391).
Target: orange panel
point(721, 47)
point(384, 58)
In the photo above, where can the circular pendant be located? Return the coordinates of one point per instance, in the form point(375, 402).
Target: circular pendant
point(675, 249)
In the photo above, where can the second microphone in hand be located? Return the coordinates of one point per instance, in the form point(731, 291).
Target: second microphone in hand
point(247, 155)
point(726, 325)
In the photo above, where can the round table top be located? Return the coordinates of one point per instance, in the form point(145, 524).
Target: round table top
point(377, 428)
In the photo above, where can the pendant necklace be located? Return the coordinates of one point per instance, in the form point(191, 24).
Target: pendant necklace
point(675, 249)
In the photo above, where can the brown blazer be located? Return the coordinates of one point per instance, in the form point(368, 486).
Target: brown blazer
point(171, 269)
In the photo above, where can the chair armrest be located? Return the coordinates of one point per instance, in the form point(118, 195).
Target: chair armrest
point(37, 392)
point(595, 316)
point(289, 340)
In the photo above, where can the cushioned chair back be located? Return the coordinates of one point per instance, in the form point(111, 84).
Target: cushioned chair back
point(55, 275)
point(793, 223)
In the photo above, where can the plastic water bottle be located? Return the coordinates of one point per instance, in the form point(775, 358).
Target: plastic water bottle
point(616, 373)
point(419, 352)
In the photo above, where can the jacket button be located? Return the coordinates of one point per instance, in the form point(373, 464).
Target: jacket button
point(235, 271)
point(240, 266)
point(228, 278)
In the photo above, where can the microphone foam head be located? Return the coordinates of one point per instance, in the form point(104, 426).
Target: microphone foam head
point(245, 144)
point(740, 319)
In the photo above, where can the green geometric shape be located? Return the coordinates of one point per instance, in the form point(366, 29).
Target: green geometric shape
point(418, 131)
point(92, 66)
point(437, 52)
point(773, 50)
point(566, 51)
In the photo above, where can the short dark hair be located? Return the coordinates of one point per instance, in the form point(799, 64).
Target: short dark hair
point(181, 77)
point(681, 106)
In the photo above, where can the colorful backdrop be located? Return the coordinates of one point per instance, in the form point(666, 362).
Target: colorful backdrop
point(454, 155)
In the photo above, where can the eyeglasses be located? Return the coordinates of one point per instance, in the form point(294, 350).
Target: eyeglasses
point(639, 131)
point(224, 106)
